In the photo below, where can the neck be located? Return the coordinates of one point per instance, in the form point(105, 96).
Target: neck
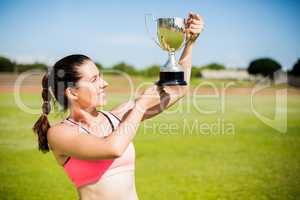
point(82, 114)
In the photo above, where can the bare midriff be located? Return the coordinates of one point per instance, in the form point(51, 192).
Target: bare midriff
point(114, 186)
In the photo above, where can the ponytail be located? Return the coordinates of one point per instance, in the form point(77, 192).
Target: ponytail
point(42, 125)
point(58, 83)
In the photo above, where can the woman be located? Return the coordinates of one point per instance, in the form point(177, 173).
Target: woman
point(95, 147)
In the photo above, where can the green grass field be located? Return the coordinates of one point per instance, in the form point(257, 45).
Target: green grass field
point(253, 162)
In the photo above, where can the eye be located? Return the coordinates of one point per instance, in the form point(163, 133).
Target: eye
point(94, 80)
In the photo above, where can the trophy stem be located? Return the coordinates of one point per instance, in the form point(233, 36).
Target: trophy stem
point(172, 59)
point(171, 73)
point(171, 64)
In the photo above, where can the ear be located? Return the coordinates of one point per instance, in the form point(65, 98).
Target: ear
point(71, 93)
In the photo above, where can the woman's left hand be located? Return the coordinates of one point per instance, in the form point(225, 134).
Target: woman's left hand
point(194, 25)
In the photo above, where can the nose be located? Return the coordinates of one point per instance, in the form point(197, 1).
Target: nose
point(103, 83)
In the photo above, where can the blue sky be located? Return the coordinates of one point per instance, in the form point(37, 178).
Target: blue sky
point(113, 31)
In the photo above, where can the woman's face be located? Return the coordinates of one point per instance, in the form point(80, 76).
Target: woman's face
point(90, 88)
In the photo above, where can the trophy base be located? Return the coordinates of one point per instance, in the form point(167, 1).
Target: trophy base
point(171, 78)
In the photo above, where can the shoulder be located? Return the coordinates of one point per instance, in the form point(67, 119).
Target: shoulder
point(59, 132)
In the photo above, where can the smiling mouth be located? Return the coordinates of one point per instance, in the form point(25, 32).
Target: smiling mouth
point(101, 92)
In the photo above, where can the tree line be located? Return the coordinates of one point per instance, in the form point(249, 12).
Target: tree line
point(7, 65)
point(263, 66)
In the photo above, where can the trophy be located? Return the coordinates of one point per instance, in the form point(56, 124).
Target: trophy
point(170, 37)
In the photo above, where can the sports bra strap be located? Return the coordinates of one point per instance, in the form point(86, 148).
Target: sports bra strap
point(111, 123)
point(66, 160)
point(78, 125)
point(115, 116)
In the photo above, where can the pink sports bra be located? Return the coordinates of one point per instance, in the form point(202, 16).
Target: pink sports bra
point(83, 172)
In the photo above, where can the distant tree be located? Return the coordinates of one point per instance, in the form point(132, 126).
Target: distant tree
point(213, 66)
point(6, 65)
point(296, 69)
point(25, 67)
point(151, 71)
point(264, 66)
point(196, 72)
point(122, 66)
point(99, 65)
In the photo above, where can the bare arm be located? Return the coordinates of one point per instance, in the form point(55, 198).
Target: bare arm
point(68, 141)
point(172, 94)
point(169, 95)
point(186, 61)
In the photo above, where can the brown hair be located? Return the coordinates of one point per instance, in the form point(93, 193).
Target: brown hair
point(64, 74)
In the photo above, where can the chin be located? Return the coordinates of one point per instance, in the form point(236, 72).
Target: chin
point(102, 102)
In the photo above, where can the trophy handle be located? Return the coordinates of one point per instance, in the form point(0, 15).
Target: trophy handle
point(150, 19)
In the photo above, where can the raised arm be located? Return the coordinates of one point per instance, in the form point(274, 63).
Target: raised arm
point(194, 27)
point(169, 95)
